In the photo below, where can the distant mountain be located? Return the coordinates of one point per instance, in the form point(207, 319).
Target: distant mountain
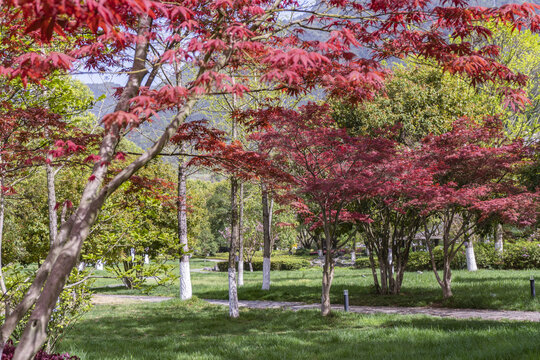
point(148, 132)
point(106, 105)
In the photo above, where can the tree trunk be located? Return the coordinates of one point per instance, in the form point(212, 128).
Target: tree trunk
point(353, 252)
point(241, 235)
point(373, 268)
point(99, 265)
point(328, 276)
point(185, 276)
point(7, 305)
point(499, 238)
point(51, 202)
point(447, 271)
point(469, 254)
point(52, 274)
point(233, 293)
point(267, 238)
point(447, 280)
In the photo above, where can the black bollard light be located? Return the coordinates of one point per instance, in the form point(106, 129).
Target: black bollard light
point(346, 300)
point(533, 289)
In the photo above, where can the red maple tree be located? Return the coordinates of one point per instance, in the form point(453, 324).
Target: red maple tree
point(328, 170)
point(474, 170)
point(212, 36)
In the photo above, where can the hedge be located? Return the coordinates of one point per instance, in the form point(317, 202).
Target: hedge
point(516, 256)
point(276, 263)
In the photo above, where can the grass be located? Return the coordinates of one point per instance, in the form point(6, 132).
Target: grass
point(199, 331)
point(484, 289)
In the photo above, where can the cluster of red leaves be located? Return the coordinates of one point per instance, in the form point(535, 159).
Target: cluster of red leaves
point(26, 136)
point(142, 187)
point(472, 168)
point(326, 166)
point(203, 32)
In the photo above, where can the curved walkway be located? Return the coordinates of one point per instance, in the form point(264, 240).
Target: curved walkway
point(482, 314)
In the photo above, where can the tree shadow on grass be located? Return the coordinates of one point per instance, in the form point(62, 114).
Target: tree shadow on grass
point(195, 330)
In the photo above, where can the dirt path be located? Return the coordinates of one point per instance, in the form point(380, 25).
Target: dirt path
point(103, 299)
point(439, 312)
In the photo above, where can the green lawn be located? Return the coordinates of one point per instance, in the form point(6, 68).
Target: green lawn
point(488, 289)
point(196, 330)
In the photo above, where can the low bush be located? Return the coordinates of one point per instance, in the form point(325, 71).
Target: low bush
point(516, 256)
point(363, 263)
point(277, 263)
point(420, 260)
point(521, 255)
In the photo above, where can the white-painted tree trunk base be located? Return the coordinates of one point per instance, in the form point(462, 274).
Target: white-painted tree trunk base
point(233, 295)
point(391, 261)
point(99, 265)
point(240, 273)
point(266, 274)
point(146, 259)
point(185, 281)
point(499, 238)
point(320, 253)
point(353, 256)
point(132, 255)
point(471, 259)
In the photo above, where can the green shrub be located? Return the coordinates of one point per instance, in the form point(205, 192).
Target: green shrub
point(302, 252)
point(74, 301)
point(419, 260)
point(517, 256)
point(363, 262)
point(521, 255)
point(281, 262)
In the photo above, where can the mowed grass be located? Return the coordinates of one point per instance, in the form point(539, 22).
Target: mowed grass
point(197, 330)
point(484, 289)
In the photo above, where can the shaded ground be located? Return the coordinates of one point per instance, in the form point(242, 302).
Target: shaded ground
point(484, 289)
point(440, 312)
point(197, 330)
point(100, 299)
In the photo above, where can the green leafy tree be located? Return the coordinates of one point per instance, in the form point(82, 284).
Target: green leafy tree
point(419, 99)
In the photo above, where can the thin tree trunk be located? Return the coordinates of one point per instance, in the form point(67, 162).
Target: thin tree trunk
point(447, 280)
point(7, 305)
point(241, 235)
point(233, 293)
point(499, 238)
point(185, 276)
point(328, 276)
point(373, 267)
point(267, 238)
point(51, 202)
point(353, 252)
